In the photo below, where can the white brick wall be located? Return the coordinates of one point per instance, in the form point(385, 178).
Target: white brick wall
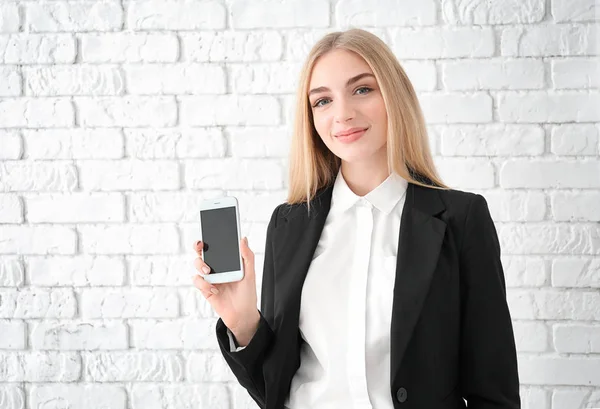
point(117, 117)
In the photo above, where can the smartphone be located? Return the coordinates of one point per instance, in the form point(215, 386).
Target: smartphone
point(220, 234)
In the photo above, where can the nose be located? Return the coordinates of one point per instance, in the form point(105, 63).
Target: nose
point(344, 110)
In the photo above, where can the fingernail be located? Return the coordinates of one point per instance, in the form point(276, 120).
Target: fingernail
point(246, 240)
point(206, 269)
point(214, 290)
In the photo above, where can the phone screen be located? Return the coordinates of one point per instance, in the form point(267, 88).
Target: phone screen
point(220, 237)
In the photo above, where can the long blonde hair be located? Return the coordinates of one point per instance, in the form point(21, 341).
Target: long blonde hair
point(312, 165)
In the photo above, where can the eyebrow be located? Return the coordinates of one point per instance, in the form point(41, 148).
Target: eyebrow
point(349, 82)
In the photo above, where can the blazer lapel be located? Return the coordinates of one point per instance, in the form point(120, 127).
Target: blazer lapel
point(420, 239)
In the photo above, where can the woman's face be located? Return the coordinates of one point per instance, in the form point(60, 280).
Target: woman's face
point(343, 94)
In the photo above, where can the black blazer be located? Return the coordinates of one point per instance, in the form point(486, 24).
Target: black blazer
point(451, 333)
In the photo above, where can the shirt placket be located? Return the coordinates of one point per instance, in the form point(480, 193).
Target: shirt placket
point(357, 304)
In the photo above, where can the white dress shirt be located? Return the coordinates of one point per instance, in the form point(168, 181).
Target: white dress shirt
point(346, 302)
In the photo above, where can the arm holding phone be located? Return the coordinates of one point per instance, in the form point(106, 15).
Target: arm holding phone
point(235, 303)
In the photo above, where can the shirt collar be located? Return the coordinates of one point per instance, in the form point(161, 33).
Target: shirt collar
point(384, 197)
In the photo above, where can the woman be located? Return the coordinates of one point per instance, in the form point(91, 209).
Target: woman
point(382, 287)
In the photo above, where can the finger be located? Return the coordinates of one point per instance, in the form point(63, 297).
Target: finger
point(201, 266)
point(198, 247)
point(204, 286)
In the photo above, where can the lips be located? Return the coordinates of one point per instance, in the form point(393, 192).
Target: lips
point(349, 132)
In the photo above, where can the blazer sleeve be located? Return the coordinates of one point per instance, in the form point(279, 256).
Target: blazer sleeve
point(489, 375)
point(247, 363)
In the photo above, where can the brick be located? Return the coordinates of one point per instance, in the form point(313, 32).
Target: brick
point(516, 205)
point(37, 303)
point(12, 209)
point(463, 174)
point(493, 74)
point(12, 272)
point(549, 40)
point(129, 239)
point(298, 42)
point(548, 107)
point(385, 13)
point(496, 12)
point(11, 79)
point(12, 145)
point(174, 334)
point(229, 110)
point(162, 270)
point(153, 143)
point(168, 15)
point(129, 303)
point(73, 16)
point(554, 304)
point(133, 367)
point(456, 107)
point(588, 73)
point(574, 139)
point(442, 42)
point(234, 173)
point(279, 14)
point(575, 398)
point(14, 335)
point(41, 240)
point(25, 48)
point(10, 19)
point(166, 206)
point(422, 74)
point(524, 271)
point(232, 46)
point(549, 239)
point(129, 47)
point(576, 272)
point(264, 78)
point(76, 271)
point(193, 303)
point(550, 370)
point(555, 174)
point(82, 396)
point(175, 79)
point(37, 176)
point(492, 140)
point(73, 80)
point(574, 10)
point(579, 206)
point(259, 142)
point(208, 367)
point(531, 336)
point(131, 111)
point(36, 113)
point(214, 396)
point(77, 335)
point(577, 338)
point(534, 397)
point(75, 208)
point(39, 367)
point(129, 175)
point(13, 397)
point(74, 143)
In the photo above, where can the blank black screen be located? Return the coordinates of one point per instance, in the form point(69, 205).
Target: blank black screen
point(219, 233)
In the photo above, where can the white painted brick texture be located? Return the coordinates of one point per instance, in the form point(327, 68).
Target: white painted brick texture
point(117, 117)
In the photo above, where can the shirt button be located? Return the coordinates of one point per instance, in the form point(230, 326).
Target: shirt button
point(401, 395)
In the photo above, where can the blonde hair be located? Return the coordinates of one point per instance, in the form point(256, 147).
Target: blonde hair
point(312, 165)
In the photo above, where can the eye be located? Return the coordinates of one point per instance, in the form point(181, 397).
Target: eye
point(316, 105)
point(366, 88)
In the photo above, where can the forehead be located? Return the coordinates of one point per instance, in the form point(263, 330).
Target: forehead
point(335, 67)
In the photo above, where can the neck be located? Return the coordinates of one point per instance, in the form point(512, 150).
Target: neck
point(361, 178)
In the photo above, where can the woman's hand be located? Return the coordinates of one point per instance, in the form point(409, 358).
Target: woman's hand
point(235, 302)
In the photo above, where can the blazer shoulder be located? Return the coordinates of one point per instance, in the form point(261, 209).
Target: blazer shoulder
point(458, 202)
